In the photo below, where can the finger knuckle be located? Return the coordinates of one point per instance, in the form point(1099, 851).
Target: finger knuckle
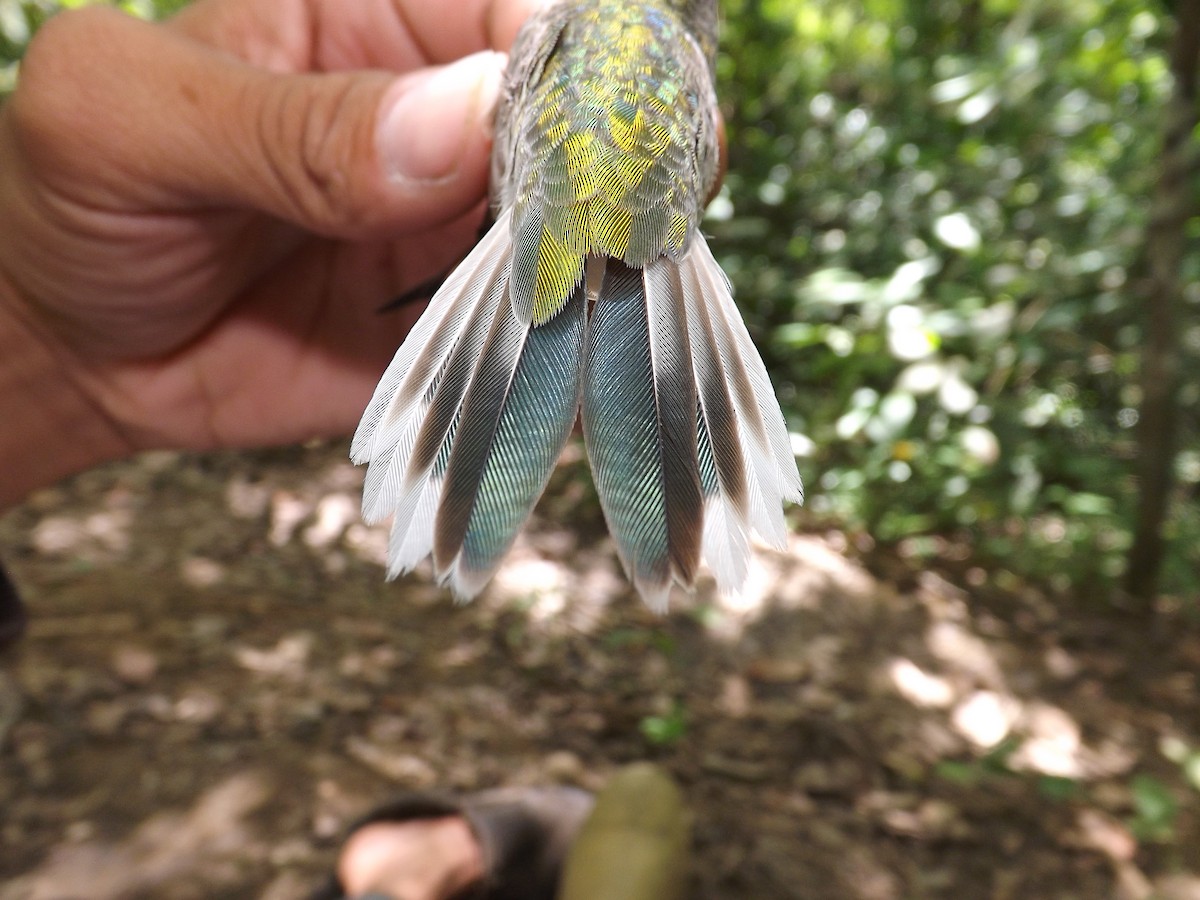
point(317, 146)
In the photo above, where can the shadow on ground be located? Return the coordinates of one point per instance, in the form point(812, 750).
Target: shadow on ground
point(216, 679)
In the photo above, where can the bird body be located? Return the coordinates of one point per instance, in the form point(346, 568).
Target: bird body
point(593, 295)
point(606, 145)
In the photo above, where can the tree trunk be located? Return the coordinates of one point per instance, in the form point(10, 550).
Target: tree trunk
point(1165, 246)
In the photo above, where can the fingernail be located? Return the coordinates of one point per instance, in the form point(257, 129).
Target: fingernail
point(423, 135)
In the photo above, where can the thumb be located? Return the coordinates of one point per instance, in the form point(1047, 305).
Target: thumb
point(355, 154)
point(172, 123)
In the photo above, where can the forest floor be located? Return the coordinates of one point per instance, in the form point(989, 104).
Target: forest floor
point(216, 679)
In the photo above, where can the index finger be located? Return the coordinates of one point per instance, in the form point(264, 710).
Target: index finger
point(332, 35)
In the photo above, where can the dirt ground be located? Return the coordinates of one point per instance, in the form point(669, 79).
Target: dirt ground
point(216, 678)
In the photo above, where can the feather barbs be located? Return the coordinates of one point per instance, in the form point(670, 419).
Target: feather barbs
point(688, 449)
point(592, 296)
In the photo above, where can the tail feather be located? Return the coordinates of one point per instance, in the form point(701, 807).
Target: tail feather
point(760, 400)
point(726, 543)
point(412, 529)
point(516, 418)
point(469, 420)
point(689, 449)
point(428, 372)
point(411, 446)
point(675, 395)
point(419, 360)
point(639, 426)
point(752, 454)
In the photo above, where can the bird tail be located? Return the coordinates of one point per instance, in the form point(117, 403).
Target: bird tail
point(688, 446)
point(687, 443)
point(468, 421)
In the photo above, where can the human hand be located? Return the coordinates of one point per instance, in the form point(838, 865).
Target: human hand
point(200, 218)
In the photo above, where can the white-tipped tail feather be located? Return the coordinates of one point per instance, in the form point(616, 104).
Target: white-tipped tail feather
point(688, 446)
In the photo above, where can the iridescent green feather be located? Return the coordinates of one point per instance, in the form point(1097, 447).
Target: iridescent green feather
point(639, 423)
point(609, 153)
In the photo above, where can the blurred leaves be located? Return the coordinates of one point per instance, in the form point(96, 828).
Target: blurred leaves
point(667, 729)
point(20, 18)
point(933, 219)
point(1155, 809)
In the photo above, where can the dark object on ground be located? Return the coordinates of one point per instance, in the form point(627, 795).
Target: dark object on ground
point(12, 611)
point(524, 834)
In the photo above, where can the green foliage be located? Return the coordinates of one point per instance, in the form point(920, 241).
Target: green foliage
point(1184, 756)
point(933, 220)
point(640, 639)
point(993, 764)
point(1155, 809)
point(1055, 787)
point(667, 729)
point(20, 18)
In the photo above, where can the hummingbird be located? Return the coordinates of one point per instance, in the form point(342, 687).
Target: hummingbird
point(593, 296)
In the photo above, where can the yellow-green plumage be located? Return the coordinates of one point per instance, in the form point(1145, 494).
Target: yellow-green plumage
point(593, 295)
point(610, 150)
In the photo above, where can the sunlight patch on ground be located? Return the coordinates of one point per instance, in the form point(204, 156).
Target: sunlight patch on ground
point(333, 514)
point(985, 718)
point(402, 768)
point(201, 572)
point(985, 709)
point(796, 579)
point(287, 512)
point(965, 652)
point(814, 568)
point(1183, 755)
point(559, 587)
point(1099, 831)
point(731, 612)
point(100, 537)
point(1178, 886)
point(918, 686)
point(287, 659)
point(542, 584)
point(1053, 743)
point(368, 542)
point(327, 504)
point(463, 653)
point(247, 499)
point(323, 514)
point(1102, 832)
